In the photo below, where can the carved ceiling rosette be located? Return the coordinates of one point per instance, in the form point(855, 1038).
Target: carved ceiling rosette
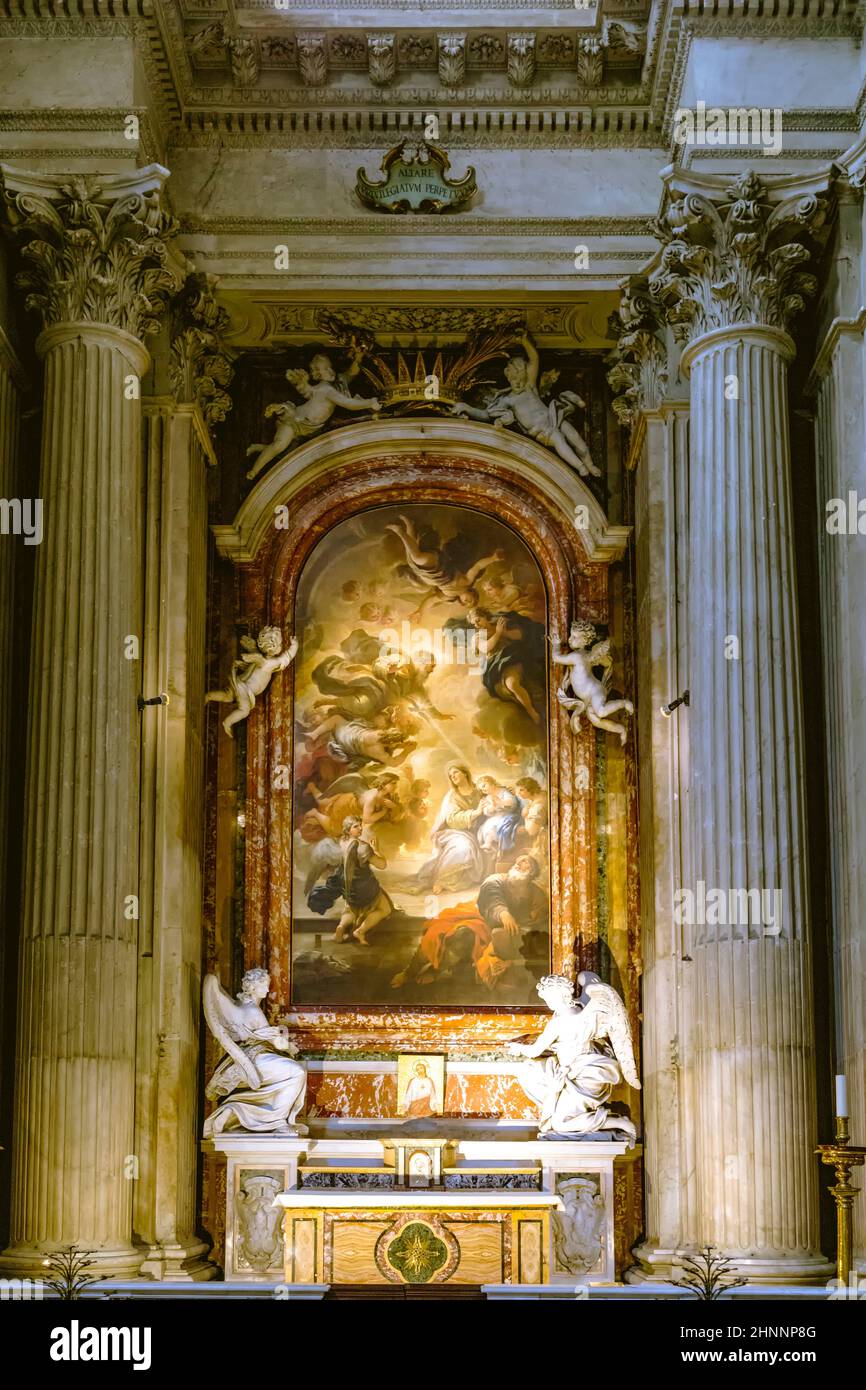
point(736, 258)
point(96, 251)
point(639, 374)
point(199, 369)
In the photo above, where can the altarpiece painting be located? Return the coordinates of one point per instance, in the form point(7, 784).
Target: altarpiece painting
point(420, 870)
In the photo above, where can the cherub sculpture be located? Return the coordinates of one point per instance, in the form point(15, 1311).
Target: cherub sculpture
point(590, 1051)
point(251, 674)
point(581, 691)
point(321, 396)
point(548, 423)
point(263, 1084)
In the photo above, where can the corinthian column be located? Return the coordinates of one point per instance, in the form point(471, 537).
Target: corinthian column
point(730, 278)
point(653, 407)
point(96, 268)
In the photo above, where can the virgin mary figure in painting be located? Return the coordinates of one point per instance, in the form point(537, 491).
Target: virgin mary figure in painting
point(459, 859)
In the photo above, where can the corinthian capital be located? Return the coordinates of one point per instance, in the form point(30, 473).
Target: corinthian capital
point(199, 368)
point(736, 253)
point(639, 373)
point(96, 248)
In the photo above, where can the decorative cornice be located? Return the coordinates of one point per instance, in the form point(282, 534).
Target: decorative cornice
point(735, 251)
point(422, 224)
point(839, 328)
point(96, 249)
point(199, 368)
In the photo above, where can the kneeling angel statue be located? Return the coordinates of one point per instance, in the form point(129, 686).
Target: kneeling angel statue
point(587, 1050)
point(263, 1084)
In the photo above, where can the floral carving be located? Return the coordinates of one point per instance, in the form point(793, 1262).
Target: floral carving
point(521, 59)
point(590, 62)
point(737, 260)
point(556, 49)
point(348, 49)
point(93, 257)
point(382, 59)
point(452, 59)
point(278, 50)
point(199, 369)
point(312, 59)
point(639, 373)
point(417, 51)
point(485, 48)
point(245, 60)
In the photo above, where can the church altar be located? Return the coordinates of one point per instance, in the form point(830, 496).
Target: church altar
point(445, 1200)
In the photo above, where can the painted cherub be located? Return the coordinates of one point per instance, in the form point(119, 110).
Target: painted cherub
point(251, 674)
point(322, 396)
point(581, 691)
point(548, 424)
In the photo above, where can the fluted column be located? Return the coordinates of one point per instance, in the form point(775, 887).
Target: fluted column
point(96, 266)
point(189, 377)
point(11, 381)
point(837, 384)
point(730, 278)
point(653, 408)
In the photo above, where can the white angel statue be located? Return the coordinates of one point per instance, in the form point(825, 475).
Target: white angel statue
point(590, 1051)
point(251, 674)
point(546, 422)
point(264, 1085)
point(581, 691)
point(321, 396)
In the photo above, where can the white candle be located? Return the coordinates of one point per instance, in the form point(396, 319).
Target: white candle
point(841, 1096)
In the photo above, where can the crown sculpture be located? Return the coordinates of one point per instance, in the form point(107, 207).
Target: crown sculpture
point(437, 376)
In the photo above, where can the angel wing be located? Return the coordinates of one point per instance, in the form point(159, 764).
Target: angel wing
point(249, 644)
point(215, 999)
point(326, 855)
point(612, 1022)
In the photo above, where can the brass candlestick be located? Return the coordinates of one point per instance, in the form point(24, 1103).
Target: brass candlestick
point(843, 1156)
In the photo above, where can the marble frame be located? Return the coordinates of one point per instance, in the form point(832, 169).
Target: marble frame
point(509, 483)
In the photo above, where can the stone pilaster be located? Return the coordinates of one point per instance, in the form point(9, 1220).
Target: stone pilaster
point(648, 405)
point(97, 268)
point(178, 450)
point(730, 278)
point(11, 383)
point(837, 385)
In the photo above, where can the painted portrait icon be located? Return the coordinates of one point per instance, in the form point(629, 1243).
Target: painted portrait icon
point(420, 832)
point(420, 1085)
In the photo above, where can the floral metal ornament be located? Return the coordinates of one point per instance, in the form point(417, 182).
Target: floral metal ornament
point(416, 180)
